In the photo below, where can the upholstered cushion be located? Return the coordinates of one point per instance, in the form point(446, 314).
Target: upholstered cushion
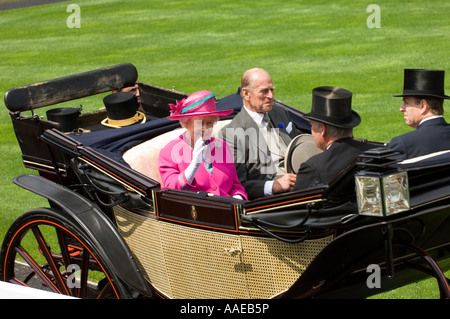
point(144, 157)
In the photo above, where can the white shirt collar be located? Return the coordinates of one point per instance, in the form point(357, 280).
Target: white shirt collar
point(430, 118)
point(257, 117)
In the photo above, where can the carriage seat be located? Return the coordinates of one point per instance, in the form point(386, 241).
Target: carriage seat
point(144, 157)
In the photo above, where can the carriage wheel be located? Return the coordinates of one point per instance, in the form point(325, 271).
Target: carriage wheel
point(45, 250)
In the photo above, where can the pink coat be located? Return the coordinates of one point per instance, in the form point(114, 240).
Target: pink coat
point(222, 180)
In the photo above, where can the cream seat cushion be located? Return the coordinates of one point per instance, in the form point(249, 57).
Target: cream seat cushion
point(144, 157)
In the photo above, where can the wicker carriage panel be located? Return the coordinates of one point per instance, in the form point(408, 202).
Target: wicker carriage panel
point(142, 234)
point(275, 265)
point(186, 262)
point(199, 265)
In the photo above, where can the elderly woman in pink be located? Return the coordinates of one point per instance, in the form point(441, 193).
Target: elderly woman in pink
point(196, 161)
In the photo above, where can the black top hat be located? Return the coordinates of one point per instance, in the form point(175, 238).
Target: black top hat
point(333, 105)
point(121, 109)
point(418, 82)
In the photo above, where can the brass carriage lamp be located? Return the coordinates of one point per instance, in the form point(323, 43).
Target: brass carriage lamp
point(381, 189)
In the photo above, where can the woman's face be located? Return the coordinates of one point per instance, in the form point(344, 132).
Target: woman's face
point(201, 127)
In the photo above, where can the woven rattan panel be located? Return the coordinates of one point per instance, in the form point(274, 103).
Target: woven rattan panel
point(142, 234)
point(276, 265)
point(184, 262)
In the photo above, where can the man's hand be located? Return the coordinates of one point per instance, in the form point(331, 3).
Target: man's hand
point(284, 183)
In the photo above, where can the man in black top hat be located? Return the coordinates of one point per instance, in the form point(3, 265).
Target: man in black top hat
point(423, 99)
point(332, 122)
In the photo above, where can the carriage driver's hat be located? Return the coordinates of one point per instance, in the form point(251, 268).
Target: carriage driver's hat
point(333, 105)
point(420, 82)
point(121, 109)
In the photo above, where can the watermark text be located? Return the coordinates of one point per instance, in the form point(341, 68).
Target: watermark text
point(374, 279)
point(373, 20)
point(73, 20)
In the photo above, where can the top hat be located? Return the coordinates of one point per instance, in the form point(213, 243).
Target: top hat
point(418, 82)
point(333, 105)
point(201, 103)
point(67, 117)
point(121, 109)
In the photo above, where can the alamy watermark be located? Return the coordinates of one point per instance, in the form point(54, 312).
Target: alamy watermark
point(373, 20)
point(73, 280)
point(374, 279)
point(251, 146)
point(73, 20)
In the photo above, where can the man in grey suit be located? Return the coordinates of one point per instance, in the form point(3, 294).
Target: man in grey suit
point(423, 99)
point(259, 135)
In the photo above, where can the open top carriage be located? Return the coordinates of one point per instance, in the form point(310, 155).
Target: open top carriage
point(112, 230)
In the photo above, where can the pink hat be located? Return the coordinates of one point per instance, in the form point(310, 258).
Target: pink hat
point(197, 104)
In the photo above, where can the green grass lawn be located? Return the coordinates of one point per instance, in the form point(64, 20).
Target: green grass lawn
point(193, 45)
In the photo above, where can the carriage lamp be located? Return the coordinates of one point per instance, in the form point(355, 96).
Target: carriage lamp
point(382, 194)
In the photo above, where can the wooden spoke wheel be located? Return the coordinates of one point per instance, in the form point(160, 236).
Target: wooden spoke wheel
point(44, 249)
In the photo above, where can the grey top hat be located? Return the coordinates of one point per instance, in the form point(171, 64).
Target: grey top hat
point(420, 82)
point(300, 149)
point(333, 105)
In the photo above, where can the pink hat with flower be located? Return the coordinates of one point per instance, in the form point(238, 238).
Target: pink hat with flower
point(201, 103)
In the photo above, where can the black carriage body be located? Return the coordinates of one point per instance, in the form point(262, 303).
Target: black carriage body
point(180, 244)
